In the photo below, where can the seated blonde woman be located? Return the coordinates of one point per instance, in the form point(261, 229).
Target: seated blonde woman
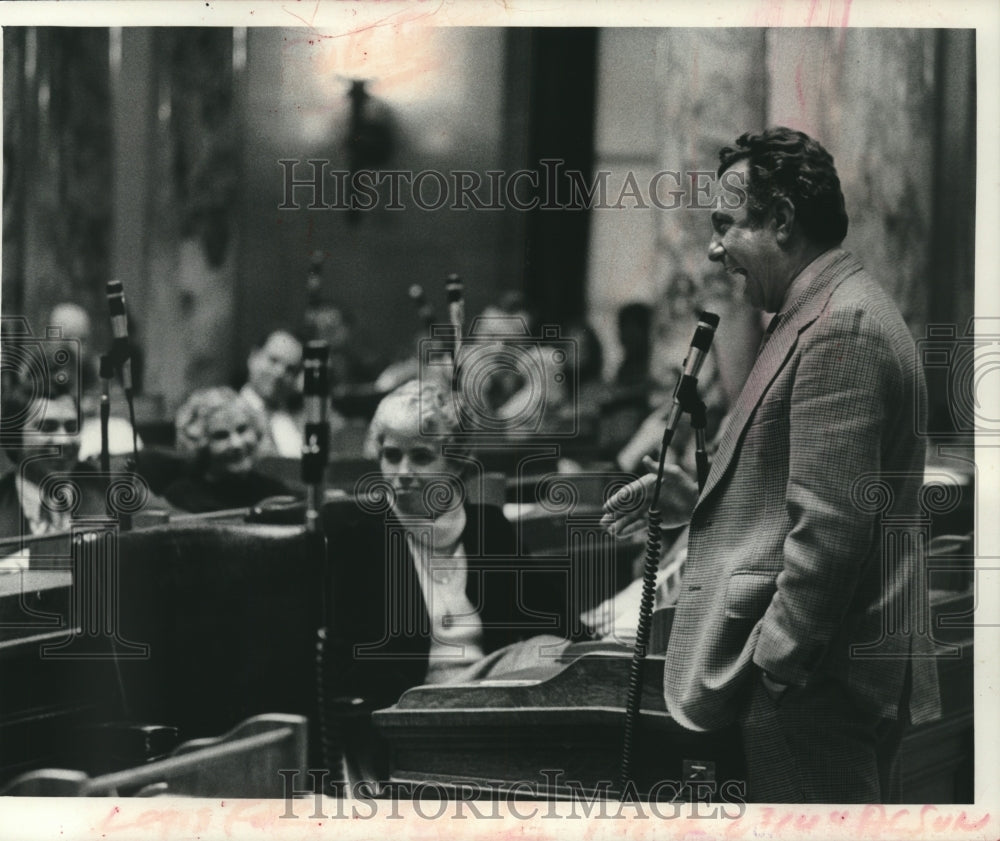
point(221, 434)
point(431, 582)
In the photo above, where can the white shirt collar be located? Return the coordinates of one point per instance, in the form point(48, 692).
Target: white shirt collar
point(30, 496)
point(446, 528)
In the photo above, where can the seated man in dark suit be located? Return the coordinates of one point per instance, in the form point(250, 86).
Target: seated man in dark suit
point(40, 433)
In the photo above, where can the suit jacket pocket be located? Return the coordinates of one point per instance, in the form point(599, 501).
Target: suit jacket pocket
point(748, 594)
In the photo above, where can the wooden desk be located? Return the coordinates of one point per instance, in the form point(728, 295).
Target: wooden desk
point(553, 729)
point(569, 716)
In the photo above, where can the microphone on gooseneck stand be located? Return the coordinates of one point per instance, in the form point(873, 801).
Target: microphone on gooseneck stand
point(333, 710)
point(685, 400)
point(106, 372)
point(456, 311)
point(456, 317)
point(121, 354)
point(697, 353)
point(316, 442)
point(686, 396)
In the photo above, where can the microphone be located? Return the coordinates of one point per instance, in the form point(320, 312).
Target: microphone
point(316, 440)
point(704, 333)
point(685, 399)
point(424, 310)
point(456, 309)
point(106, 372)
point(120, 353)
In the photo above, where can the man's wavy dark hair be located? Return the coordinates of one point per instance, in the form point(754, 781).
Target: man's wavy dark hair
point(787, 163)
point(16, 399)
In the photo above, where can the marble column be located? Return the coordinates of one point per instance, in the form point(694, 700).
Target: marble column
point(67, 213)
point(714, 88)
point(193, 232)
point(869, 96)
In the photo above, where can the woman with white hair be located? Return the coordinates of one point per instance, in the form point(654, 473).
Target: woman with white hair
point(221, 434)
point(434, 582)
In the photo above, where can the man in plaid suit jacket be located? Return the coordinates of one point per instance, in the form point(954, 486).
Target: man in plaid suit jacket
point(785, 621)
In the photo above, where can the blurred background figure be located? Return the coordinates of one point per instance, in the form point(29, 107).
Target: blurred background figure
point(511, 317)
point(580, 392)
point(349, 363)
point(273, 391)
point(75, 326)
point(627, 402)
point(589, 375)
point(221, 434)
point(671, 337)
point(402, 370)
point(634, 325)
point(41, 436)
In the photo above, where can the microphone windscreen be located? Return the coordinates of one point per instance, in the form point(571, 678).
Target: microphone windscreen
point(116, 297)
point(710, 318)
point(454, 289)
point(314, 368)
point(705, 331)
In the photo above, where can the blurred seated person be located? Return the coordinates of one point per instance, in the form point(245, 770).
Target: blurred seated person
point(586, 368)
point(634, 325)
point(273, 371)
point(510, 316)
point(427, 607)
point(674, 325)
point(75, 325)
point(627, 404)
point(274, 391)
point(40, 432)
point(574, 401)
point(402, 370)
point(561, 380)
point(221, 433)
point(509, 320)
point(334, 325)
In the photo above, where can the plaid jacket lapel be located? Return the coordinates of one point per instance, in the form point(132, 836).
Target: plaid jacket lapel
point(773, 357)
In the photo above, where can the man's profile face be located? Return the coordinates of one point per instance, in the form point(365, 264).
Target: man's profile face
point(747, 249)
point(51, 424)
point(274, 369)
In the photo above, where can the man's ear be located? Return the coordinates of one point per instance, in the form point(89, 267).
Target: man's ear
point(783, 219)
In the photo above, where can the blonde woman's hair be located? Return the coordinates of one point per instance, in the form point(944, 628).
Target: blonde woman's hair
point(191, 421)
point(431, 405)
